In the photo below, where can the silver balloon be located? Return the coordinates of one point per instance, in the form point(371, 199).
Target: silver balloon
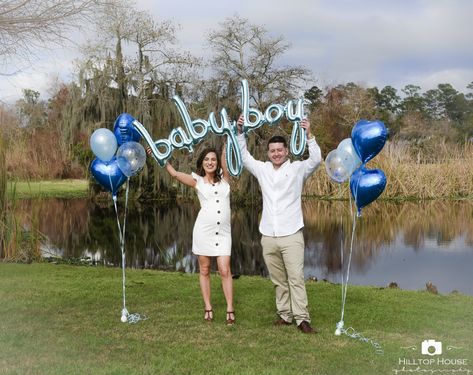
point(103, 144)
point(248, 111)
point(161, 149)
point(179, 139)
point(347, 146)
point(295, 112)
point(298, 139)
point(338, 165)
point(131, 157)
point(273, 114)
point(197, 129)
point(233, 155)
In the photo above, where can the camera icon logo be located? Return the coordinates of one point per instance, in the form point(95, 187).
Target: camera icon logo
point(431, 347)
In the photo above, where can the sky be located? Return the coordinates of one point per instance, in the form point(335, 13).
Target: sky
point(368, 42)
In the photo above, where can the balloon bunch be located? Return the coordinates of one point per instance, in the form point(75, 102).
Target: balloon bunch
point(112, 167)
point(366, 185)
point(348, 161)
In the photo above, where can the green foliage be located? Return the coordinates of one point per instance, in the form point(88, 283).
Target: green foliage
point(3, 173)
point(44, 189)
point(32, 111)
point(3, 188)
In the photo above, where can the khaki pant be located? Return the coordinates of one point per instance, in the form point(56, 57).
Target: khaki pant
point(284, 257)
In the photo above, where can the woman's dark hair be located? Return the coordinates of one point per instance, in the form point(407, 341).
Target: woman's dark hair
point(200, 160)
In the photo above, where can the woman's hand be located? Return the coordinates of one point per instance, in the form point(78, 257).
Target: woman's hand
point(240, 123)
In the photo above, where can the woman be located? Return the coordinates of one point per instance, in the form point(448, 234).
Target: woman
point(212, 231)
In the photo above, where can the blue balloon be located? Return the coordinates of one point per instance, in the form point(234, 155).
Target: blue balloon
point(366, 185)
point(368, 138)
point(108, 174)
point(124, 130)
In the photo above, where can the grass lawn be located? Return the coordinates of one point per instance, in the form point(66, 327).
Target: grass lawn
point(47, 189)
point(60, 319)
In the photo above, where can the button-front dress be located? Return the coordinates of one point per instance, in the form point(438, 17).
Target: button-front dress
point(212, 230)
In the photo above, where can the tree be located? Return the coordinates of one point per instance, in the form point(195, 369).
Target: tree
point(412, 101)
point(133, 66)
point(29, 24)
point(470, 87)
point(343, 106)
point(445, 102)
point(158, 67)
point(432, 104)
point(315, 96)
point(136, 56)
point(451, 102)
point(242, 50)
point(31, 110)
point(389, 100)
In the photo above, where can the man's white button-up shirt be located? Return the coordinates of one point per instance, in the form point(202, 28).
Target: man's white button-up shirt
point(281, 188)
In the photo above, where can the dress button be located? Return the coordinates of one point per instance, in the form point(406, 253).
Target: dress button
point(218, 222)
point(216, 192)
point(216, 244)
point(218, 201)
point(216, 232)
point(218, 212)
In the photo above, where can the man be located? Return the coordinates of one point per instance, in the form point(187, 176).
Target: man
point(281, 183)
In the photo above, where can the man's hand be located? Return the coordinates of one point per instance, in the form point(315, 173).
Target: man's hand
point(305, 124)
point(148, 150)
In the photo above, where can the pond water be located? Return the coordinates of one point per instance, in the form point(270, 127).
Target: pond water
point(407, 243)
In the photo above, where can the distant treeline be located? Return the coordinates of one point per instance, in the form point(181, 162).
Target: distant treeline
point(49, 139)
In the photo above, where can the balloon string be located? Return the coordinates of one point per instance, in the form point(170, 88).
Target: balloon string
point(350, 331)
point(126, 316)
point(349, 200)
point(341, 252)
point(114, 198)
point(345, 282)
point(122, 244)
point(122, 248)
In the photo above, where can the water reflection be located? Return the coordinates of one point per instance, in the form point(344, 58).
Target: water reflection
point(410, 243)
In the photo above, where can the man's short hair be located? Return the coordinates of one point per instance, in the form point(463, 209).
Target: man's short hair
point(277, 139)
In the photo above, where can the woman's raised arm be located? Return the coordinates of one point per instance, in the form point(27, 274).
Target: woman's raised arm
point(185, 178)
point(223, 161)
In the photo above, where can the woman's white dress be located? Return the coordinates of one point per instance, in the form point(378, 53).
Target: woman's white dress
point(212, 230)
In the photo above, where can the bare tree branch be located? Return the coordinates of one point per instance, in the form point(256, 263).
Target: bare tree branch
point(29, 24)
point(245, 51)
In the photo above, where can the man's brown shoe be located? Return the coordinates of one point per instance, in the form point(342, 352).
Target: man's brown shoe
point(306, 328)
point(281, 322)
